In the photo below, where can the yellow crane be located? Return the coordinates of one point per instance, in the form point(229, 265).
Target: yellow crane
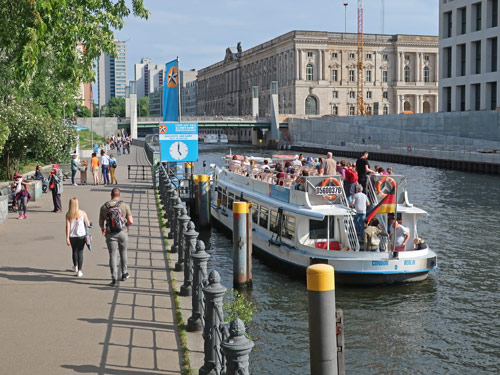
point(359, 92)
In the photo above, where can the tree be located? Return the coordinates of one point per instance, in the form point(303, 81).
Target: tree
point(116, 106)
point(143, 106)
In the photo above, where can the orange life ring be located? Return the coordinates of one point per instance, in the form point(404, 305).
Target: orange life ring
point(379, 185)
point(409, 148)
point(325, 182)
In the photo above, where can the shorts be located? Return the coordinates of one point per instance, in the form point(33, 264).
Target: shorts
point(95, 170)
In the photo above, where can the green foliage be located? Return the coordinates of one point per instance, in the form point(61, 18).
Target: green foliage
point(85, 139)
point(238, 306)
point(143, 107)
point(116, 107)
point(4, 133)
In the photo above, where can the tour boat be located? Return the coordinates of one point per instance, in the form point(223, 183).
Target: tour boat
point(308, 221)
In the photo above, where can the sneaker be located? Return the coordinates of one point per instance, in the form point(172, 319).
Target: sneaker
point(125, 276)
point(79, 274)
point(75, 184)
point(19, 217)
point(75, 268)
point(112, 283)
point(25, 216)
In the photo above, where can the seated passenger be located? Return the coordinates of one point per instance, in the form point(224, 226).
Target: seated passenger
point(280, 176)
point(301, 182)
point(419, 244)
point(235, 164)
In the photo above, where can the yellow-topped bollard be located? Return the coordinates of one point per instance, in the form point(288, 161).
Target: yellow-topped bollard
point(242, 244)
point(322, 319)
point(202, 188)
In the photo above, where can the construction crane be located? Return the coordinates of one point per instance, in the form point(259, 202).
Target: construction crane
point(359, 94)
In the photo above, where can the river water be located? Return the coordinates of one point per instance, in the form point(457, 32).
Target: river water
point(447, 324)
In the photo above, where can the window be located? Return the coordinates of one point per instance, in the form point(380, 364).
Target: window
point(274, 222)
point(319, 229)
point(461, 97)
point(335, 95)
point(476, 47)
point(462, 20)
point(492, 51)
point(288, 230)
point(352, 55)
point(385, 57)
point(385, 95)
point(352, 94)
point(447, 98)
point(352, 110)
point(335, 75)
point(368, 56)
point(309, 54)
point(493, 12)
point(351, 75)
point(263, 216)
point(230, 200)
point(447, 24)
point(407, 57)
point(368, 110)
point(386, 110)
point(426, 74)
point(224, 198)
point(255, 213)
point(447, 62)
point(368, 76)
point(334, 55)
point(461, 59)
point(476, 96)
point(427, 58)
point(335, 110)
point(476, 11)
point(407, 74)
point(492, 92)
point(368, 95)
point(384, 76)
point(309, 72)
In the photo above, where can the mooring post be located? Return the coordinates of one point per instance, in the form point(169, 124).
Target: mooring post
point(187, 170)
point(200, 261)
point(242, 247)
point(190, 238)
point(183, 219)
point(175, 224)
point(171, 213)
point(203, 200)
point(237, 349)
point(195, 194)
point(322, 319)
point(214, 294)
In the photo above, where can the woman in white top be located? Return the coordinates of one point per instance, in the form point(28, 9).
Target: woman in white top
point(76, 223)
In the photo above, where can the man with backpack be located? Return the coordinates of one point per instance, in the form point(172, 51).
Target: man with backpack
point(114, 219)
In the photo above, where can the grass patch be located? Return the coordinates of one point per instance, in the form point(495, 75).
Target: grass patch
point(181, 326)
point(85, 139)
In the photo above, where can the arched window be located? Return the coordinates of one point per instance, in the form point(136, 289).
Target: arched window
point(407, 74)
point(426, 74)
point(309, 72)
point(407, 106)
point(311, 105)
point(427, 107)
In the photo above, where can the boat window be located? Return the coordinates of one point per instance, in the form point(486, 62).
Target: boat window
point(318, 229)
point(264, 213)
point(224, 198)
point(273, 223)
point(288, 227)
point(230, 200)
point(255, 213)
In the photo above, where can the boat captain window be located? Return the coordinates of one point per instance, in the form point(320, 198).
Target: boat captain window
point(273, 222)
point(255, 213)
point(319, 229)
point(263, 217)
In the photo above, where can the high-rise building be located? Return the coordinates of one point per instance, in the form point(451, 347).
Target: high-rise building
point(316, 75)
point(188, 92)
point(112, 74)
point(468, 53)
point(148, 76)
point(85, 94)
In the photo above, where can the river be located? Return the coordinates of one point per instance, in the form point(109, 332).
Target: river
point(447, 324)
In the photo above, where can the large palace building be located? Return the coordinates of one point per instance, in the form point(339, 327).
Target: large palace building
point(316, 75)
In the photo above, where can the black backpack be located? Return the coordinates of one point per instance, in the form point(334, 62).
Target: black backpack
point(114, 219)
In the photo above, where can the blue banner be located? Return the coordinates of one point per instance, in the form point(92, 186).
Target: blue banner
point(171, 92)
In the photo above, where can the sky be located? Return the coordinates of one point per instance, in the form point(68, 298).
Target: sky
point(199, 31)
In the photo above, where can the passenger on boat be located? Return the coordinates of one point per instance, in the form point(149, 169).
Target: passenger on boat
point(381, 171)
point(235, 164)
point(330, 165)
point(389, 170)
point(419, 244)
point(298, 160)
point(342, 169)
point(371, 233)
point(399, 236)
point(308, 162)
point(280, 176)
point(301, 158)
point(360, 202)
point(300, 182)
point(363, 169)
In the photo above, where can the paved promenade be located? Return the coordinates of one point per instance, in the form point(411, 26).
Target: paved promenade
point(55, 323)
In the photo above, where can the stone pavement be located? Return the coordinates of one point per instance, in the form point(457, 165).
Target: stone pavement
point(55, 323)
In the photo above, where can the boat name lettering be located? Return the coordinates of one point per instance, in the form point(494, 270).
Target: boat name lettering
point(328, 190)
point(410, 262)
point(380, 263)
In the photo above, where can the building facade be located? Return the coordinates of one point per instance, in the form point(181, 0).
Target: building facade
point(316, 75)
point(112, 74)
point(148, 76)
point(468, 50)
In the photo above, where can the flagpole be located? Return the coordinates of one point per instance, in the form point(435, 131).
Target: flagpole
point(179, 89)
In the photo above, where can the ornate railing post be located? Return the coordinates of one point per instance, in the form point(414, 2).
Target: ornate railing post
point(190, 237)
point(170, 188)
point(171, 212)
point(237, 349)
point(183, 220)
point(175, 224)
point(164, 181)
point(200, 261)
point(214, 294)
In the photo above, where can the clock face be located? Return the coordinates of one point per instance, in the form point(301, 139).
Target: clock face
point(179, 150)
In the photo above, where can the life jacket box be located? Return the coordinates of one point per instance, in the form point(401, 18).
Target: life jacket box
point(334, 245)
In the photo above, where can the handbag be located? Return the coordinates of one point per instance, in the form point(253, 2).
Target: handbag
point(88, 238)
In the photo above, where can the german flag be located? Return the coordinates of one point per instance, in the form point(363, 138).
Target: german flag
point(385, 206)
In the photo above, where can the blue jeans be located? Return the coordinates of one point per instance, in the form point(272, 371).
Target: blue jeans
point(359, 222)
point(105, 172)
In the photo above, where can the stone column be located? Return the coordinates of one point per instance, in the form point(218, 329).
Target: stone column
point(398, 67)
point(300, 67)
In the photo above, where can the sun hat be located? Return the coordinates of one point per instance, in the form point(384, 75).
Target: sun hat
point(17, 175)
point(55, 166)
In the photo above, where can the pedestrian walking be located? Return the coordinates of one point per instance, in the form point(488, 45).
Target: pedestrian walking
point(74, 169)
point(77, 223)
point(56, 185)
point(118, 146)
point(22, 196)
point(105, 167)
point(114, 219)
point(112, 168)
point(83, 172)
point(94, 162)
